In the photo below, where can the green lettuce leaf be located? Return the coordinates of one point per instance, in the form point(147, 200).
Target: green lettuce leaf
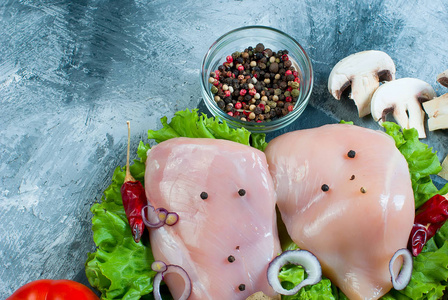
point(121, 268)
point(188, 123)
point(292, 275)
point(422, 162)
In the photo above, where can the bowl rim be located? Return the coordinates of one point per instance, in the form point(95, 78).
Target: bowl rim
point(253, 126)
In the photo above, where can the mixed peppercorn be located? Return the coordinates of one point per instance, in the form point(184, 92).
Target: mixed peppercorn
point(256, 85)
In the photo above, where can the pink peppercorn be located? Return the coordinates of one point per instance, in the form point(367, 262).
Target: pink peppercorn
point(216, 83)
point(252, 92)
point(289, 88)
point(229, 59)
point(217, 72)
point(243, 92)
point(288, 72)
point(238, 105)
point(288, 99)
point(230, 113)
point(261, 106)
point(285, 57)
point(290, 108)
point(227, 93)
point(295, 73)
point(241, 68)
point(258, 121)
point(297, 79)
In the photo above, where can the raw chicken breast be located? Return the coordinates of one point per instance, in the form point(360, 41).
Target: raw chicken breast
point(225, 224)
point(366, 215)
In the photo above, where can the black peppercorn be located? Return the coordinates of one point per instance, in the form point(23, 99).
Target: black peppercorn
point(204, 195)
point(242, 287)
point(351, 153)
point(241, 192)
point(221, 104)
point(325, 187)
point(353, 177)
point(231, 258)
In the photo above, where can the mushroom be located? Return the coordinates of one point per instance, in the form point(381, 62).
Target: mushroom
point(444, 172)
point(443, 78)
point(437, 110)
point(363, 71)
point(403, 98)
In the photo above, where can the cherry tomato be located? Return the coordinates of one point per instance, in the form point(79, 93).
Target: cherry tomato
point(46, 289)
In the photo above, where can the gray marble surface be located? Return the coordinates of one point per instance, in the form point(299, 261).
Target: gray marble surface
point(73, 72)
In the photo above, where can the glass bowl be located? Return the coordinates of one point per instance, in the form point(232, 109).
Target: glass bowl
point(240, 39)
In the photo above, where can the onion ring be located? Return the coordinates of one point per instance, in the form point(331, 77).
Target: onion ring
point(172, 269)
point(171, 218)
point(161, 213)
point(158, 266)
point(151, 219)
point(297, 257)
point(404, 276)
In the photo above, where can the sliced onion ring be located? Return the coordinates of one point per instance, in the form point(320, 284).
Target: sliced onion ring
point(297, 257)
point(158, 266)
point(171, 218)
point(150, 217)
point(161, 213)
point(172, 269)
point(404, 276)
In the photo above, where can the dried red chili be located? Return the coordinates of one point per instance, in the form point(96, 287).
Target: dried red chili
point(134, 199)
point(428, 220)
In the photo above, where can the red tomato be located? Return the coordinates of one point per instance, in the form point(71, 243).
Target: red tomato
point(46, 289)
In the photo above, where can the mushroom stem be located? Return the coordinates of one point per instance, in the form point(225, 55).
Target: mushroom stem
point(402, 98)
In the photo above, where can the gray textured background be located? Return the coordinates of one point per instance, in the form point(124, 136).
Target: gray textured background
point(72, 73)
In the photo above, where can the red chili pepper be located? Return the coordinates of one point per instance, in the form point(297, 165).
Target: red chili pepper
point(428, 220)
point(134, 199)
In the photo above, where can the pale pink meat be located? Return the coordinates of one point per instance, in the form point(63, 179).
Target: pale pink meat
point(353, 234)
point(224, 224)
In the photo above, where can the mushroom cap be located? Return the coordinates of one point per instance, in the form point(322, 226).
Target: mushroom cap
point(437, 110)
point(403, 98)
point(363, 71)
point(442, 78)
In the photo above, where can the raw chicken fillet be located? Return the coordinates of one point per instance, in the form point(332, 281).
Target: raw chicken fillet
point(356, 225)
point(225, 224)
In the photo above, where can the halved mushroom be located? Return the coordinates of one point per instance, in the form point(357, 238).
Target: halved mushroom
point(444, 172)
point(443, 78)
point(437, 110)
point(403, 98)
point(363, 71)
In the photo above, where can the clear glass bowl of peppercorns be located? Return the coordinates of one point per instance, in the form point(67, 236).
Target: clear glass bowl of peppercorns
point(256, 77)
